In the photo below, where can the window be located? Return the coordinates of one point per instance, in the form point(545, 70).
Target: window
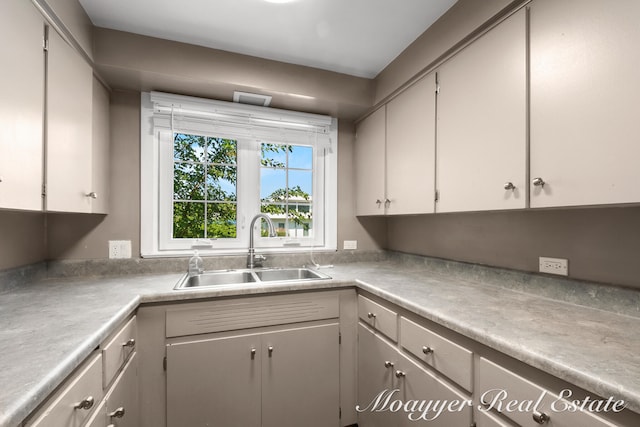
point(208, 167)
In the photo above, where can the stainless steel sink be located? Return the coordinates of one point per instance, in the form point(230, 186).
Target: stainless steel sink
point(245, 276)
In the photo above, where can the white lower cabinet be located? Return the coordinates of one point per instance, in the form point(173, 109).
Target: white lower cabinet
point(393, 390)
point(281, 378)
point(120, 406)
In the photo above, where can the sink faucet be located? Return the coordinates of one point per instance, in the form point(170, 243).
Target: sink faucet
point(254, 260)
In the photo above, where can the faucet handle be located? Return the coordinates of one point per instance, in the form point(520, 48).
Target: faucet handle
point(258, 259)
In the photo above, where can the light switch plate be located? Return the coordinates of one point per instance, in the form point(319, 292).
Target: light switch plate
point(350, 245)
point(119, 249)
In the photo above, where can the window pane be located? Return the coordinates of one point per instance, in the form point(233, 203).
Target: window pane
point(301, 157)
point(188, 181)
point(221, 220)
point(189, 147)
point(300, 185)
point(221, 151)
point(273, 184)
point(278, 215)
point(299, 223)
point(188, 220)
point(274, 155)
point(221, 183)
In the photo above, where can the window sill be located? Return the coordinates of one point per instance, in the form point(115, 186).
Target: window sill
point(236, 252)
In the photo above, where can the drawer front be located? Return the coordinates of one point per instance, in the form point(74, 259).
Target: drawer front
point(487, 419)
point(378, 317)
point(495, 382)
point(61, 411)
point(453, 360)
point(116, 352)
point(217, 316)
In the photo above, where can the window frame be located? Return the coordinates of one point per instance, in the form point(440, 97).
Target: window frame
point(157, 194)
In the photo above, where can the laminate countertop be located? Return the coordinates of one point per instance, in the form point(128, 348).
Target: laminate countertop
point(585, 334)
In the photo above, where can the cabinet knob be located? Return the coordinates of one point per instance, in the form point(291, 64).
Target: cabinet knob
point(427, 350)
point(540, 417)
point(509, 186)
point(92, 195)
point(387, 202)
point(378, 202)
point(86, 403)
point(130, 343)
point(118, 413)
point(371, 315)
point(400, 374)
point(270, 349)
point(538, 182)
point(388, 364)
point(253, 353)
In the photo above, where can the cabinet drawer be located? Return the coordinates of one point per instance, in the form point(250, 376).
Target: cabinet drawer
point(217, 316)
point(487, 419)
point(379, 317)
point(118, 350)
point(494, 380)
point(61, 411)
point(451, 359)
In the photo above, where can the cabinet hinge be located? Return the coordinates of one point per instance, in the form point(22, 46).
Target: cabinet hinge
point(339, 412)
point(339, 338)
point(44, 190)
point(473, 425)
point(164, 363)
point(438, 89)
point(437, 196)
point(45, 39)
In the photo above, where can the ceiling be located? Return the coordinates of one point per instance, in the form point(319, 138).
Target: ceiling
point(356, 37)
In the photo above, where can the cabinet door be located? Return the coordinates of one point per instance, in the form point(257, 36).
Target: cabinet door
point(69, 115)
point(122, 401)
point(21, 105)
point(300, 377)
point(376, 380)
point(410, 149)
point(369, 159)
point(584, 102)
point(215, 382)
point(100, 149)
point(482, 123)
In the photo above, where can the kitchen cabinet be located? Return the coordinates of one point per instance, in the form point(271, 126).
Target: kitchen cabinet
point(120, 406)
point(584, 96)
point(482, 122)
point(264, 354)
point(69, 129)
point(370, 169)
point(395, 154)
point(256, 379)
point(100, 143)
point(21, 106)
point(384, 369)
point(410, 149)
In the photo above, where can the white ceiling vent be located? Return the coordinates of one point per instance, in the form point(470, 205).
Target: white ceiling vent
point(251, 98)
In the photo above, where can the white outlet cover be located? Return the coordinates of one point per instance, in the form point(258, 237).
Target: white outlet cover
point(350, 245)
point(119, 249)
point(559, 266)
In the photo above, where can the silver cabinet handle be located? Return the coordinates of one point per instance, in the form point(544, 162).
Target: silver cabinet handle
point(427, 350)
point(388, 364)
point(378, 202)
point(400, 374)
point(540, 417)
point(270, 349)
point(118, 413)
point(538, 182)
point(86, 403)
point(92, 195)
point(130, 343)
point(387, 202)
point(253, 353)
point(371, 315)
point(509, 186)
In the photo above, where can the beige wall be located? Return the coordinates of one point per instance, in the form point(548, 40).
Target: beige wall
point(81, 236)
point(601, 244)
point(22, 238)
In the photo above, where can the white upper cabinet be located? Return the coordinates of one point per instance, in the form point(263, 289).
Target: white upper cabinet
point(411, 149)
point(482, 122)
point(100, 149)
point(370, 164)
point(69, 129)
point(585, 89)
point(21, 105)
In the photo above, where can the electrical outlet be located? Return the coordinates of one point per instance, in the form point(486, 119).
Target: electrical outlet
point(119, 248)
point(350, 245)
point(558, 266)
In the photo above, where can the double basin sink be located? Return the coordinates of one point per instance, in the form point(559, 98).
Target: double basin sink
point(245, 276)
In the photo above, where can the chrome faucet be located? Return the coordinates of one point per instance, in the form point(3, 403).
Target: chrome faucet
point(254, 260)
